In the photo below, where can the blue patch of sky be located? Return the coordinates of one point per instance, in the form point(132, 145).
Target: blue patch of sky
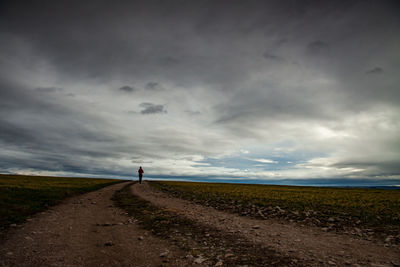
point(262, 160)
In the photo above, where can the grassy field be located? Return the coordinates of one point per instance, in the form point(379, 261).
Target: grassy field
point(332, 208)
point(21, 196)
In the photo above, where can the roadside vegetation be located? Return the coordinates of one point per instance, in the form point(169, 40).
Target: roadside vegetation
point(367, 213)
point(22, 196)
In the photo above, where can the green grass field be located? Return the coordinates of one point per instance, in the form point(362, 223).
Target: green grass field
point(321, 206)
point(22, 196)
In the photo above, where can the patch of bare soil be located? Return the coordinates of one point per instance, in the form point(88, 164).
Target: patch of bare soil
point(311, 245)
point(87, 230)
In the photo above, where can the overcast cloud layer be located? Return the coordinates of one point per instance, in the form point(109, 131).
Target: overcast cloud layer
point(222, 89)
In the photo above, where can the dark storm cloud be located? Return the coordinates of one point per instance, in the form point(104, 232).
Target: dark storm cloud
point(15, 134)
point(197, 42)
point(268, 55)
point(168, 61)
point(47, 89)
point(244, 65)
point(248, 108)
point(150, 108)
point(58, 163)
point(317, 47)
point(154, 86)
point(90, 40)
point(128, 89)
point(376, 70)
point(39, 133)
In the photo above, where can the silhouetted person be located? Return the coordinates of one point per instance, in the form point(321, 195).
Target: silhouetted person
point(140, 171)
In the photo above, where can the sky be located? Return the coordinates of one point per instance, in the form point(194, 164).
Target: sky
point(221, 90)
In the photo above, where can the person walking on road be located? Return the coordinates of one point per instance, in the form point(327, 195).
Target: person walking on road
point(140, 171)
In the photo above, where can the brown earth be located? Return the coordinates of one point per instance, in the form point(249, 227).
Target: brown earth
point(309, 244)
point(89, 230)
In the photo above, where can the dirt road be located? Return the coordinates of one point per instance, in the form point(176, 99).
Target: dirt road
point(89, 230)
